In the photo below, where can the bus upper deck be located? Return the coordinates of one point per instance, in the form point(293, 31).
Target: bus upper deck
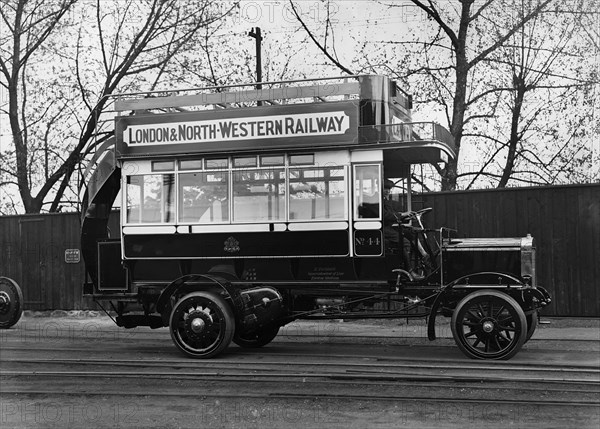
point(349, 112)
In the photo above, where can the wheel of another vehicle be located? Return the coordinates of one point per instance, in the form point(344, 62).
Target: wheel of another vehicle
point(532, 323)
point(11, 302)
point(256, 339)
point(202, 324)
point(489, 324)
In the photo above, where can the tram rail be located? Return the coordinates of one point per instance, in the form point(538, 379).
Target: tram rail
point(273, 370)
point(256, 365)
point(387, 398)
point(288, 376)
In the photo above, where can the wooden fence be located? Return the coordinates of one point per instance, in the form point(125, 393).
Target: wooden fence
point(40, 253)
point(564, 220)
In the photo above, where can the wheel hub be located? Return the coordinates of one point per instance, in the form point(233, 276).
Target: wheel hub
point(197, 320)
point(198, 325)
point(4, 302)
point(488, 326)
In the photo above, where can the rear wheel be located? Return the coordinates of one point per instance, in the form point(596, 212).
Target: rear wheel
point(489, 324)
point(11, 302)
point(202, 324)
point(256, 339)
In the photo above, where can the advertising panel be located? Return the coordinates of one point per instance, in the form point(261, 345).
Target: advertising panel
point(240, 129)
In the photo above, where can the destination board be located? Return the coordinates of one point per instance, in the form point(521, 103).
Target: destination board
point(293, 126)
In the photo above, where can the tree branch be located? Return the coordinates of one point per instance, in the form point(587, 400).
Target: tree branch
point(509, 34)
point(321, 47)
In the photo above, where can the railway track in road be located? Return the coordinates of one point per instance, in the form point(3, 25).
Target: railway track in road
point(583, 382)
point(431, 369)
point(313, 396)
point(318, 385)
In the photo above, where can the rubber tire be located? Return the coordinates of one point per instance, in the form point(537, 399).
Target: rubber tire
point(15, 308)
point(224, 328)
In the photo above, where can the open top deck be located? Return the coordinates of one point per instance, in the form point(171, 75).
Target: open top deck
point(354, 112)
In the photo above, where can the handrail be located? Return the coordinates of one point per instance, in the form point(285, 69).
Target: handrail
point(225, 95)
point(321, 92)
point(239, 85)
point(412, 132)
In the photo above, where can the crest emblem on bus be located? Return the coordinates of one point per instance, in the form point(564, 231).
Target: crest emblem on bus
point(231, 245)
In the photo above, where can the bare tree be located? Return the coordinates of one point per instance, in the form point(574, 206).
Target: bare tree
point(543, 60)
point(467, 54)
point(123, 45)
point(29, 24)
point(451, 58)
point(331, 56)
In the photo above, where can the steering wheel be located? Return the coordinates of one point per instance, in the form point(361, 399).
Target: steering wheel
point(414, 214)
point(423, 211)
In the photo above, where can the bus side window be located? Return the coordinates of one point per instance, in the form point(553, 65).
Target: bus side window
point(150, 198)
point(367, 195)
point(203, 197)
point(259, 195)
point(317, 193)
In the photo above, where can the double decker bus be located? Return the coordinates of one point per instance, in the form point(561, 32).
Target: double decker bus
point(245, 209)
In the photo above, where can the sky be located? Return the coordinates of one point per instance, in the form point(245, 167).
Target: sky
point(352, 21)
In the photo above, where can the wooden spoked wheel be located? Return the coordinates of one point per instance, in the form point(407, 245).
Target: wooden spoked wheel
point(489, 324)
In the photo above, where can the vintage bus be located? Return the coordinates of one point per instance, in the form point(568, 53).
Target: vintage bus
point(245, 209)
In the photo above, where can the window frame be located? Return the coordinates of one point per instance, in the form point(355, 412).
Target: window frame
point(164, 204)
point(355, 193)
point(180, 197)
point(237, 170)
point(344, 172)
point(226, 166)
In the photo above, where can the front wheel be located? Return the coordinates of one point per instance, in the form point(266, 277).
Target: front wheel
point(489, 324)
point(202, 324)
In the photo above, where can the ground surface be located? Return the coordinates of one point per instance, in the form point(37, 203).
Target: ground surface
point(80, 371)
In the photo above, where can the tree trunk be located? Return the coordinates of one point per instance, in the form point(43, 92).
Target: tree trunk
point(460, 96)
point(514, 132)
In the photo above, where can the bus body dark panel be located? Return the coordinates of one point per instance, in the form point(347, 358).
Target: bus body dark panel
point(248, 244)
point(154, 271)
point(456, 264)
point(268, 270)
point(111, 274)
